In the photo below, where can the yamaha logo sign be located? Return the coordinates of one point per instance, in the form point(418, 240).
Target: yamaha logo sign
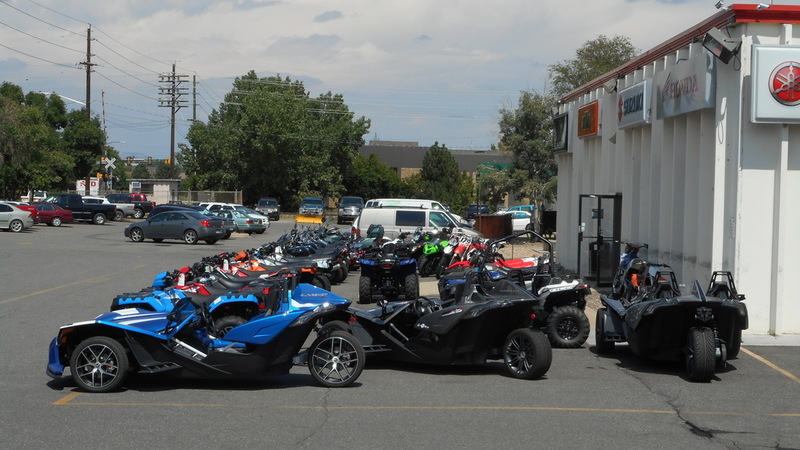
point(784, 83)
point(775, 84)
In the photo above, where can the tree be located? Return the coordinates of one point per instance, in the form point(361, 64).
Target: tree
point(32, 152)
point(370, 178)
point(140, 172)
point(270, 138)
point(493, 184)
point(527, 132)
point(440, 179)
point(593, 59)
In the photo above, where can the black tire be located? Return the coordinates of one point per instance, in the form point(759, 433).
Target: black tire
point(119, 215)
point(426, 266)
point(190, 237)
point(55, 221)
point(411, 286)
point(137, 235)
point(16, 226)
point(336, 275)
point(138, 213)
point(211, 241)
point(568, 327)
point(99, 219)
point(364, 290)
point(227, 235)
point(735, 345)
point(603, 345)
point(333, 325)
point(336, 359)
point(227, 323)
point(527, 354)
point(322, 282)
point(99, 364)
point(700, 354)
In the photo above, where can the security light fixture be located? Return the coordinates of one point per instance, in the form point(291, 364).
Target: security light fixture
point(721, 46)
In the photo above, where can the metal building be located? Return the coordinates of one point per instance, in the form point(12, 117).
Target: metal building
point(693, 148)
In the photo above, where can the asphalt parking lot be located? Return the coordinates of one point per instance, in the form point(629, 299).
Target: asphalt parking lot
point(53, 276)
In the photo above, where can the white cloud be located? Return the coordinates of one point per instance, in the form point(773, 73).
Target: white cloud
point(422, 70)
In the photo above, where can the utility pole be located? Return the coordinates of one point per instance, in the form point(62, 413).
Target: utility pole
point(170, 97)
point(194, 98)
point(88, 63)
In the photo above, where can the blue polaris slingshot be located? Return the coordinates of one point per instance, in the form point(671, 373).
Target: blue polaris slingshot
point(100, 353)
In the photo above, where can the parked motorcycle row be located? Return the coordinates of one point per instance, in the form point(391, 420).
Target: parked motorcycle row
point(250, 313)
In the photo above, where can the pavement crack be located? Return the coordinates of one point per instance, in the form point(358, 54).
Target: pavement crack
point(326, 415)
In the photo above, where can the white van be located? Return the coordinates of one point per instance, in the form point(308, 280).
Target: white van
point(396, 220)
point(410, 203)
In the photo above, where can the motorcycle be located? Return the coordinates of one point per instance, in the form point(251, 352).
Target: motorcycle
point(657, 321)
point(388, 268)
point(102, 352)
point(564, 297)
point(485, 321)
point(433, 253)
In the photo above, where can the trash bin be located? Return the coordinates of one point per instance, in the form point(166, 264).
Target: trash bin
point(494, 225)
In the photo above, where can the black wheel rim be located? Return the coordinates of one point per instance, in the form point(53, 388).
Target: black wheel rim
point(520, 354)
point(567, 328)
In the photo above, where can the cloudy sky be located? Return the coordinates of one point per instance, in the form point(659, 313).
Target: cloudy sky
point(421, 70)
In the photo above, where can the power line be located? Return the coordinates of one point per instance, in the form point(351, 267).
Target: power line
point(36, 57)
point(57, 12)
point(126, 59)
point(126, 88)
point(126, 73)
point(40, 39)
point(41, 20)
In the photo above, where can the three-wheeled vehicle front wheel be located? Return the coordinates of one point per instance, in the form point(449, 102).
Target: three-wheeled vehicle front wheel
point(700, 354)
point(602, 344)
point(336, 359)
point(527, 354)
point(99, 364)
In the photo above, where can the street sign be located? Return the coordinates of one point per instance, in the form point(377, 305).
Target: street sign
point(109, 162)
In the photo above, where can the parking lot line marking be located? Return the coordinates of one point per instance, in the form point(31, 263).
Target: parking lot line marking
point(74, 283)
point(773, 366)
point(67, 398)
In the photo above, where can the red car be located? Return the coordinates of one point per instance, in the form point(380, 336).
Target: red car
point(52, 214)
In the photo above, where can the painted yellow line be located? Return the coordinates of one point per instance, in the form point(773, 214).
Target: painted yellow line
point(101, 279)
point(67, 398)
point(773, 366)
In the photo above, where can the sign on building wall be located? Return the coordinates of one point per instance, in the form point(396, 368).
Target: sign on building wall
point(776, 84)
point(685, 87)
point(633, 107)
point(560, 123)
point(589, 119)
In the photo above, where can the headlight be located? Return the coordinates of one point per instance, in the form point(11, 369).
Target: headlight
point(322, 263)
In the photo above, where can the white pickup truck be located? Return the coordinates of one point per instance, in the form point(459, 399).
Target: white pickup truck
point(123, 209)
